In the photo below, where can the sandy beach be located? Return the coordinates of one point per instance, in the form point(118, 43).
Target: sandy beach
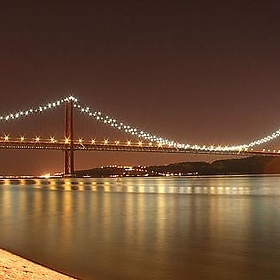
point(15, 267)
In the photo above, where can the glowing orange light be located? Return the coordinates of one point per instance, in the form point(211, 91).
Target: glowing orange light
point(46, 176)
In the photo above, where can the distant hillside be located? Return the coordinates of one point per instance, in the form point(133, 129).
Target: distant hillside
point(250, 165)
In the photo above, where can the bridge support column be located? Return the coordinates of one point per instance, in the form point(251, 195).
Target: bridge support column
point(69, 145)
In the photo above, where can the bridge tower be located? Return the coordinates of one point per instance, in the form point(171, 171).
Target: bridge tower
point(69, 145)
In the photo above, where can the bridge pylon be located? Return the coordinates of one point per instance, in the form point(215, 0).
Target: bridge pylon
point(69, 138)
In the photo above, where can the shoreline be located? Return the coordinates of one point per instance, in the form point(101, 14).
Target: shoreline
point(15, 267)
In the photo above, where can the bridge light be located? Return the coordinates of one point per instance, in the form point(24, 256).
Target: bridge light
point(21, 138)
point(105, 142)
point(92, 141)
point(52, 140)
point(71, 97)
point(140, 143)
point(80, 140)
point(128, 143)
point(37, 139)
point(67, 140)
point(150, 144)
point(117, 142)
point(6, 137)
point(144, 136)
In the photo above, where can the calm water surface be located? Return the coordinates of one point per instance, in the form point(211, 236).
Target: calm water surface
point(146, 228)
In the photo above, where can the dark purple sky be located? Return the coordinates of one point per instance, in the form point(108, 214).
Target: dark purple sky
point(193, 71)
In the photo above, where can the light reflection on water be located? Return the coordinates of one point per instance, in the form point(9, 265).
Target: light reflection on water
point(219, 185)
point(146, 228)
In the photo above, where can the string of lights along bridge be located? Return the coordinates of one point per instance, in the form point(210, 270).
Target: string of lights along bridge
point(148, 142)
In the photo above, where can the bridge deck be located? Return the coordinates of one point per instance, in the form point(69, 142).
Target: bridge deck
point(132, 147)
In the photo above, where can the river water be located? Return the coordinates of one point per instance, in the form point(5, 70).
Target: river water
point(146, 228)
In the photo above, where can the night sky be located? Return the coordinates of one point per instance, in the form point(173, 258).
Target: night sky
point(194, 71)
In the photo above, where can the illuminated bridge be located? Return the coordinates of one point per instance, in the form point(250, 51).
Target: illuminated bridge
point(146, 142)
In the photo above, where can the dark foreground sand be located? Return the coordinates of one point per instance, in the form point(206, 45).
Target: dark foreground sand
point(15, 267)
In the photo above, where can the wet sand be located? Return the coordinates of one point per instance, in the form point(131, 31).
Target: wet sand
point(15, 267)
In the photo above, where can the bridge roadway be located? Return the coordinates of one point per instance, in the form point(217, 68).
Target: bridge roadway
point(122, 147)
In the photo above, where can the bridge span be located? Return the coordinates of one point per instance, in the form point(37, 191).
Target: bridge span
point(148, 143)
point(116, 146)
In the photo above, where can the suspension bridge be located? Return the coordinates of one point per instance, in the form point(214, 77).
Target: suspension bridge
point(147, 142)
